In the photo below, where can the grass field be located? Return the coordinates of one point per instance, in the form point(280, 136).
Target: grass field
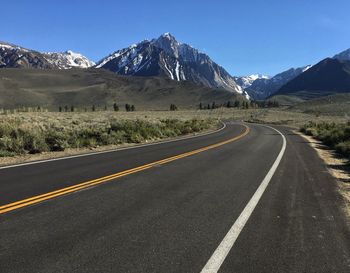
point(41, 132)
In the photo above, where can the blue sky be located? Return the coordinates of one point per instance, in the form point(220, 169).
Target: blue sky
point(244, 36)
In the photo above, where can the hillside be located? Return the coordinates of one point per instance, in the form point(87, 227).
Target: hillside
point(335, 105)
point(87, 87)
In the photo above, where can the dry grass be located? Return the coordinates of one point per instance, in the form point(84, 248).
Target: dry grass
point(75, 121)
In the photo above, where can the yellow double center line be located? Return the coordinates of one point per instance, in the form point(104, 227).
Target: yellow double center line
point(94, 182)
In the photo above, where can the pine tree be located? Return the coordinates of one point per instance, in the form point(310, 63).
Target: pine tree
point(93, 108)
point(127, 107)
point(66, 108)
point(200, 106)
point(115, 107)
point(60, 109)
point(72, 108)
point(132, 108)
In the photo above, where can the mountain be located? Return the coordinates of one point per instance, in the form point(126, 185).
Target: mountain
point(83, 88)
point(263, 88)
point(343, 56)
point(327, 77)
point(13, 56)
point(68, 59)
point(247, 81)
point(18, 57)
point(166, 57)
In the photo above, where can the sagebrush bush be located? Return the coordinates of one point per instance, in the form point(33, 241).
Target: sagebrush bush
point(19, 138)
point(335, 135)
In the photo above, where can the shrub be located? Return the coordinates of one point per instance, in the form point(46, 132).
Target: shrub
point(18, 138)
point(334, 135)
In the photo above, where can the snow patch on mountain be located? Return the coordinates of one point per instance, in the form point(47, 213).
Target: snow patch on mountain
point(247, 81)
point(68, 59)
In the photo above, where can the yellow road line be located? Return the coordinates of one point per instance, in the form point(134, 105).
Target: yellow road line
point(94, 182)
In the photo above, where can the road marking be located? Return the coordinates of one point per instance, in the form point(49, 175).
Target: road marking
point(112, 151)
point(214, 263)
point(94, 182)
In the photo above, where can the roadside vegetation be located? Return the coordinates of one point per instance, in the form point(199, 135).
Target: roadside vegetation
point(334, 135)
point(40, 134)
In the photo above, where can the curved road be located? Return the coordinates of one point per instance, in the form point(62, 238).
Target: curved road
point(172, 215)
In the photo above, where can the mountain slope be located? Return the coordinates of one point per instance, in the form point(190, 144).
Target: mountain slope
point(13, 56)
point(169, 58)
point(343, 56)
point(86, 87)
point(263, 88)
point(327, 77)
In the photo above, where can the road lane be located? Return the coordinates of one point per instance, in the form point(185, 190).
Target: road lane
point(172, 217)
point(30, 180)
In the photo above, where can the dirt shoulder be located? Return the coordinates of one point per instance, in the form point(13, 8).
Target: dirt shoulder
point(338, 167)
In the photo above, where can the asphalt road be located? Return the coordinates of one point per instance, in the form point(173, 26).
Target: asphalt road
point(173, 216)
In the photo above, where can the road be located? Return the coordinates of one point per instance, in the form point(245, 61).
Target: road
point(193, 205)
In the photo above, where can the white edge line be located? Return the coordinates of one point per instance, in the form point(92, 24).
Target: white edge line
point(111, 151)
point(220, 254)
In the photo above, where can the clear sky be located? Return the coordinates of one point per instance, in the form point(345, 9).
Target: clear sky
point(244, 36)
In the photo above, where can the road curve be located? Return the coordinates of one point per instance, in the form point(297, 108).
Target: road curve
point(172, 217)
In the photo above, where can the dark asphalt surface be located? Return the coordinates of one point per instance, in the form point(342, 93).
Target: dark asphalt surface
point(172, 217)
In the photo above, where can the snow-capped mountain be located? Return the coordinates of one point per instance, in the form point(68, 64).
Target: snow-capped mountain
point(68, 59)
point(13, 56)
point(262, 88)
point(167, 57)
point(343, 56)
point(246, 81)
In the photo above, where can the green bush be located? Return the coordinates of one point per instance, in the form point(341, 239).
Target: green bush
point(17, 138)
point(334, 135)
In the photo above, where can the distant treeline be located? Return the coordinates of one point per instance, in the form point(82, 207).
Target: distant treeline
point(240, 104)
point(94, 108)
point(131, 107)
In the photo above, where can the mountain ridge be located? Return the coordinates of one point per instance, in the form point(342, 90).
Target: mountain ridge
point(165, 56)
point(14, 56)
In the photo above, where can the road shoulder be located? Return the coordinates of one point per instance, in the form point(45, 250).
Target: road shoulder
point(337, 166)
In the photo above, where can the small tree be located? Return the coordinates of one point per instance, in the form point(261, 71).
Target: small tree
point(200, 106)
point(213, 105)
point(66, 108)
point(132, 108)
point(173, 107)
point(72, 108)
point(60, 109)
point(93, 108)
point(115, 107)
point(105, 107)
point(127, 107)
